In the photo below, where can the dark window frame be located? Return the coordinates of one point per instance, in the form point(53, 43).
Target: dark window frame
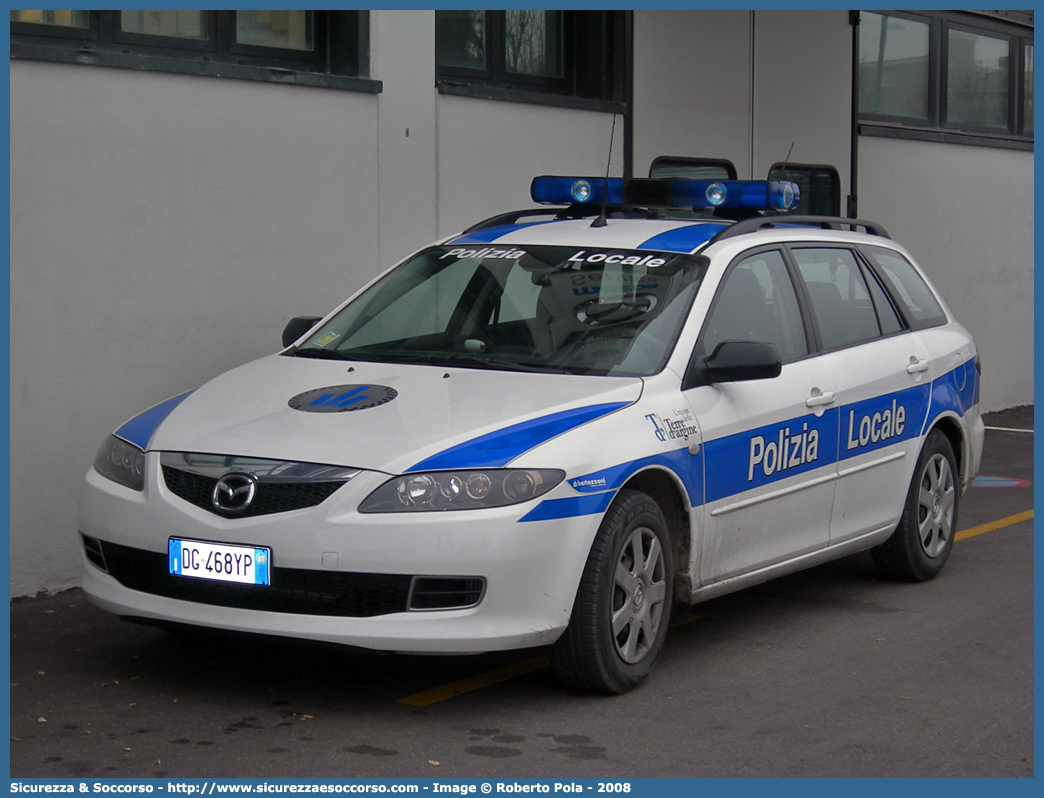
point(685, 160)
point(593, 66)
point(782, 167)
point(936, 127)
point(339, 59)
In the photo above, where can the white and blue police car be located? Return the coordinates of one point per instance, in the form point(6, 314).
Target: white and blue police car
point(550, 429)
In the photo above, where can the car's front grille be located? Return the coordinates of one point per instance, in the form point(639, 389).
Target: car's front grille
point(293, 590)
point(271, 497)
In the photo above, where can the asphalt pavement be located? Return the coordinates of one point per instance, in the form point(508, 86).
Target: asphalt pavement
point(829, 672)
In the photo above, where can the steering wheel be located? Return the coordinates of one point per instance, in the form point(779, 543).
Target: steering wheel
point(593, 312)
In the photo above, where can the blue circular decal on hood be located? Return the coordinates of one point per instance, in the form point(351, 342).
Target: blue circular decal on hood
point(342, 398)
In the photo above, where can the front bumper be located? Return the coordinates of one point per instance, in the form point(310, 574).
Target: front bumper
point(531, 569)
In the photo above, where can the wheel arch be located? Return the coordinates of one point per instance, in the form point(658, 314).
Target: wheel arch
point(950, 426)
point(664, 488)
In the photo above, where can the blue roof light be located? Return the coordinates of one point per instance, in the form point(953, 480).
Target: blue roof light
point(666, 193)
point(580, 190)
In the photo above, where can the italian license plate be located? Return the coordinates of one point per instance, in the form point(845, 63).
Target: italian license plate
point(219, 562)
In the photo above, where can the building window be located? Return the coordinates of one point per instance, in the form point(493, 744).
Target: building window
point(893, 67)
point(977, 69)
point(64, 19)
point(526, 54)
point(967, 74)
point(1027, 90)
point(291, 30)
point(533, 43)
point(316, 48)
point(176, 24)
point(461, 39)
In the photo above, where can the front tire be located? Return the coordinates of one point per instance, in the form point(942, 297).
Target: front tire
point(917, 550)
point(623, 605)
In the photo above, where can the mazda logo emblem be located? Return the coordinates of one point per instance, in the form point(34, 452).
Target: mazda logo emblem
point(234, 492)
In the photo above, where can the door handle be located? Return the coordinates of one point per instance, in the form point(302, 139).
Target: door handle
point(820, 399)
point(917, 366)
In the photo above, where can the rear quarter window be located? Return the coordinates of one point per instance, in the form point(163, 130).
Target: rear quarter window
point(909, 290)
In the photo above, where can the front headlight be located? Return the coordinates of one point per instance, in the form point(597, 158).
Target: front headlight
point(460, 490)
point(121, 462)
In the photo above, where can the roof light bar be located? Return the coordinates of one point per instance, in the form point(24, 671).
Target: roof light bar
point(550, 190)
point(779, 195)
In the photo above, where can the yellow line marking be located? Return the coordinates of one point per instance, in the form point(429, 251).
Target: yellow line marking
point(1003, 522)
point(506, 672)
point(481, 680)
point(453, 689)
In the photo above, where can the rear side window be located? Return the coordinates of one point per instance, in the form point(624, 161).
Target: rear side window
point(908, 288)
point(839, 295)
point(886, 315)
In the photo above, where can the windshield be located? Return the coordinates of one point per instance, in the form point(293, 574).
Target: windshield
point(525, 308)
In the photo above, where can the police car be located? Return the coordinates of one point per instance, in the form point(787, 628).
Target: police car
point(552, 427)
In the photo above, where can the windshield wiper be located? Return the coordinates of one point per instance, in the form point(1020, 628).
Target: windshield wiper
point(453, 358)
point(431, 359)
point(323, 354)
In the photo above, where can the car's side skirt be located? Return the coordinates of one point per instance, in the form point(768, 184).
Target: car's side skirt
point(818, 557)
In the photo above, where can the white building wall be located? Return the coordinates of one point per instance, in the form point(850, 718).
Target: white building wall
point(489, 152)
point(403, 59)
point(163, 229)
point(743, 85)
point(966, 215)
point(803, 90)
point(692, 86)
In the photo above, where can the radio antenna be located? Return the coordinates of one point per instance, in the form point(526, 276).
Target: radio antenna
point(600, 221)
point(786, 161)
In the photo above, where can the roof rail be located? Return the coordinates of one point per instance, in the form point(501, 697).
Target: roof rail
point(510, 218)
point(825, 222)
point(570, 212)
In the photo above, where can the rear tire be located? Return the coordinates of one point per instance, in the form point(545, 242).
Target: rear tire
point(623, 606)
point(918, 548)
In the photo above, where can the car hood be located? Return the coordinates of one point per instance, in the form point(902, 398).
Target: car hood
point(436, 417)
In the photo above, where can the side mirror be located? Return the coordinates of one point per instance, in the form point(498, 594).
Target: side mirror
point(297, 327)
point(739, 361)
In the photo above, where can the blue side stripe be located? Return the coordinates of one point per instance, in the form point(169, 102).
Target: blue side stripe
point(879, 416)
point(569, 507)
point(684, 239)
point(737, 463)
point(956, 391)
point(688, 467)
point(140, 428)
point(499, 448)
point(491, 234)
